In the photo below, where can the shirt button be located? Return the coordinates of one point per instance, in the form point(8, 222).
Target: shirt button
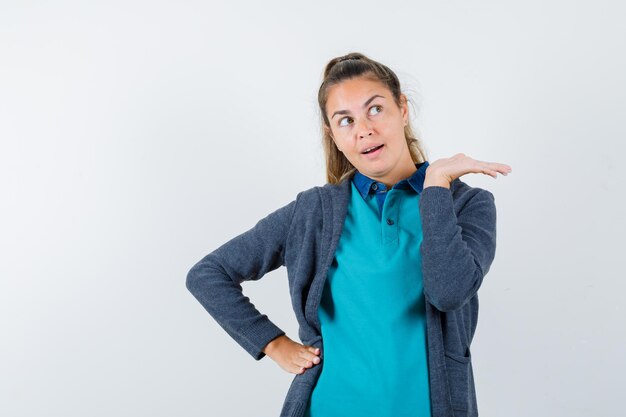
point(389, 222)
point(375, 186)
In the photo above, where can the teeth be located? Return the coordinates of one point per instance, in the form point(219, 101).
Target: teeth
point(369, 149)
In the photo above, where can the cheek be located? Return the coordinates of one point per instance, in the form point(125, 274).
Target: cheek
point(339, 144)
point(386, 130)
point(391, 127)
point(340, 139)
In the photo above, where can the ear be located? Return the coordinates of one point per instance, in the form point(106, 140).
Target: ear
point(404, 108)
point(328, 131)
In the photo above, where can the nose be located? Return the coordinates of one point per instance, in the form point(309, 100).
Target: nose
point(364, 129)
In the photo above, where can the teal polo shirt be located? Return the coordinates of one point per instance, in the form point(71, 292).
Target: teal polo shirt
point(372, 311)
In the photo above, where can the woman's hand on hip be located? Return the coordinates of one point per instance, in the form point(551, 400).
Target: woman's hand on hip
point(445, 170)
point(292, 356)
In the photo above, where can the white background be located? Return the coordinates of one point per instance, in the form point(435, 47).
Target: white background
point(138, 136)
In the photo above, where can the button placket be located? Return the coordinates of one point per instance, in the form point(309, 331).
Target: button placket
point(390, 216)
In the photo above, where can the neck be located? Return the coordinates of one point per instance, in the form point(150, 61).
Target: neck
point(404, 171)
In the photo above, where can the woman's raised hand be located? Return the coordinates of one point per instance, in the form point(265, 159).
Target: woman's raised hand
point(292, 356)
point(443, 171)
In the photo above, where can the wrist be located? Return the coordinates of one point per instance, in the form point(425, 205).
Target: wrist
point(271, 346)
point(437, 181)
point(434, 178)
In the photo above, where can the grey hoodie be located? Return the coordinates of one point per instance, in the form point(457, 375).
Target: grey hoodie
point(457, 249)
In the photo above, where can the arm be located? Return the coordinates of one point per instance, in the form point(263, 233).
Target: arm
point(456, 252)
point(216, 280)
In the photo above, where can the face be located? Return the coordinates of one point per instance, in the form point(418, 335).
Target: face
point(362, 115)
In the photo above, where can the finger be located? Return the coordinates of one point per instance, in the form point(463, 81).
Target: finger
point(311, 353)
point(314, 350)
point(310, 356)
point(297, 367)
point(501, 168)
point(505, 169)
point(490, 172)
point(492, 168)
point(485, 169)
point(481, 167)
point(305, 363)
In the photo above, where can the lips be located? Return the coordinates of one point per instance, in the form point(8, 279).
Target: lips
point(374, 154)
point(372, 148)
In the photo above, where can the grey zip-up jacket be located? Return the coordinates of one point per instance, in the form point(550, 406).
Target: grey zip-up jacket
point(457, 249)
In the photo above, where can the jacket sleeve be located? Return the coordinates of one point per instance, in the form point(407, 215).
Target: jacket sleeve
point(215, 281)
point(456, 252)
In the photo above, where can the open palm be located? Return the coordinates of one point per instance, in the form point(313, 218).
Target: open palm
point(449, 169)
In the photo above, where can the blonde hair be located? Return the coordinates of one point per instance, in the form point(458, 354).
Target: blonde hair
point(345, 67)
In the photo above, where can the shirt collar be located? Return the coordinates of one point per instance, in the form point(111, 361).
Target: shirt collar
point(416, 181)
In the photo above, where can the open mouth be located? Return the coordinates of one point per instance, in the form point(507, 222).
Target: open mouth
point(373, 149)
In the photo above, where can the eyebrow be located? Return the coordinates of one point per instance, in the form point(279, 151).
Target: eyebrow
point(369, 100)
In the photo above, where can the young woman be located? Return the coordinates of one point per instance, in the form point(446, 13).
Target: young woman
point(384, 263)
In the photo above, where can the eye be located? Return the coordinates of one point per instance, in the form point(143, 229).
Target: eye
point(377, 106)
point(342, 119)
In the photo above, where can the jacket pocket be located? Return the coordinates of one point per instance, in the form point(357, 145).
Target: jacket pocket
point(458, 371)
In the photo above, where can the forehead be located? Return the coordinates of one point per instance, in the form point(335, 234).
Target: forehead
point(353, 92)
